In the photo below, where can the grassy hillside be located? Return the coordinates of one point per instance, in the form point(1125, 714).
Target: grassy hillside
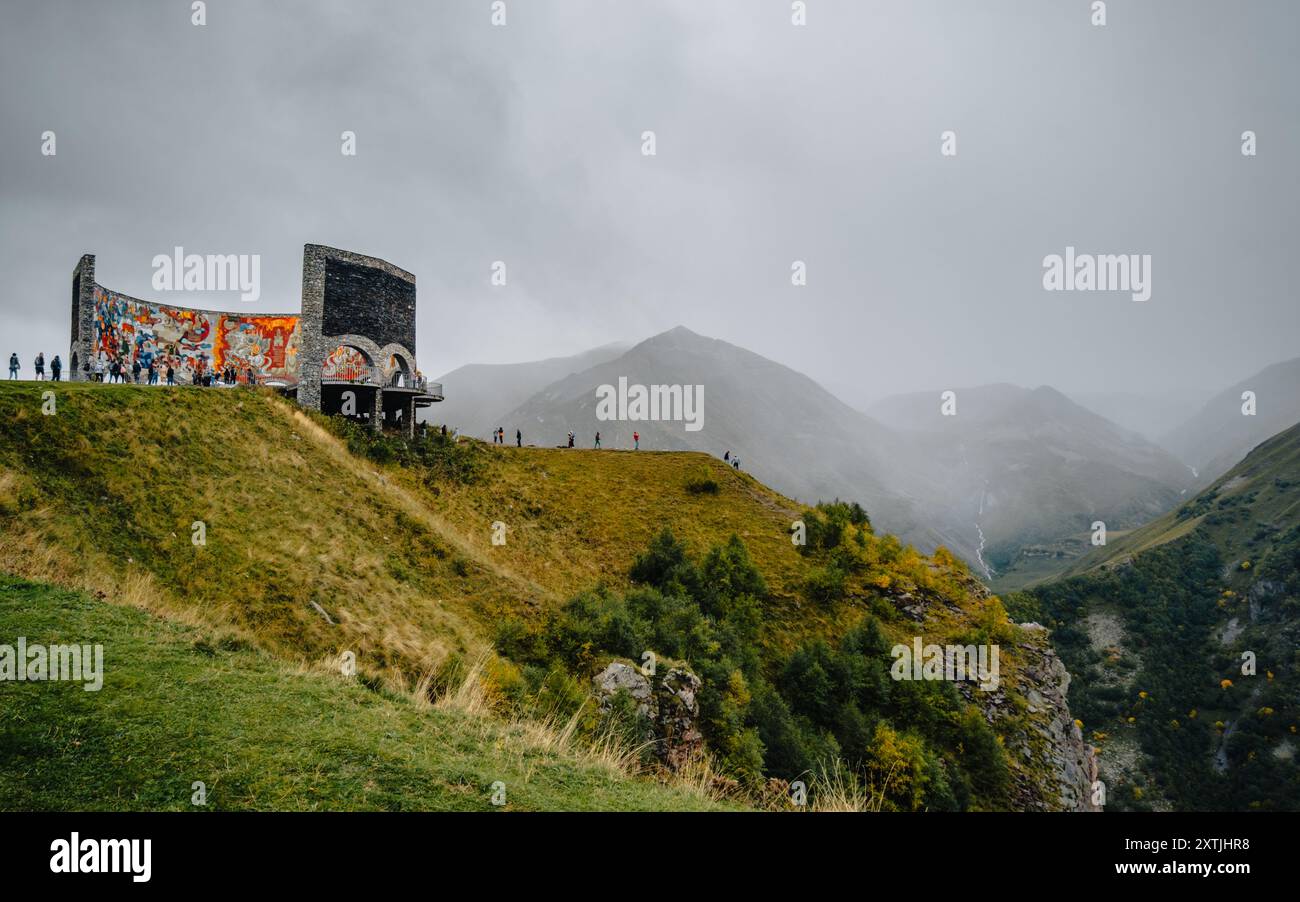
point(320, 540)
point(179, 705)
point(1159, 625)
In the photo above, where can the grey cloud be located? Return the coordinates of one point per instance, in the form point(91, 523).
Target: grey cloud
point(775, 143)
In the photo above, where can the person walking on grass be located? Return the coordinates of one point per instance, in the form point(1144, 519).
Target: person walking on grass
point(97, 369)
point(13, 366)
point(519, 439)
point(597, 439)
point(135, 372)
point(56, 368)
point(40, 366)
point(636, 441)
point(171, 374)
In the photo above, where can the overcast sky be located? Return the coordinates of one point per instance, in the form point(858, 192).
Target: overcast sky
point(775, 143)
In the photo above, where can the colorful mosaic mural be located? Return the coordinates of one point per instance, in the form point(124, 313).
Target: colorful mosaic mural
point(194, 341)
point(345, 363)
point(350, 364)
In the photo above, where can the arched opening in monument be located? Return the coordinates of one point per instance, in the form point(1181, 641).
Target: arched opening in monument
point(348, 386)
point(347, 364)
point(398, 372)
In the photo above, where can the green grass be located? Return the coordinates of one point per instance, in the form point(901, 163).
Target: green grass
point(177, 707)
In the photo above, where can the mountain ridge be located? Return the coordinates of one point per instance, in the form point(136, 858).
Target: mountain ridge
point(806, 441)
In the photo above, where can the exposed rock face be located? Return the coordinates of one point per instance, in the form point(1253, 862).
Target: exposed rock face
point(668, 703)
point(1066, 753)
point(678, 739)
point(623, 677)
point(1054, 768)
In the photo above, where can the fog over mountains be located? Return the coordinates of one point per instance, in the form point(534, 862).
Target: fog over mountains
point(1218, 436)
point(1028, 467)
point(1015, 479)
point(484, 391)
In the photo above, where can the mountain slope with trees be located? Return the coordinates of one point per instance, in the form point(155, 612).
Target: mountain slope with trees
point(1182, 637)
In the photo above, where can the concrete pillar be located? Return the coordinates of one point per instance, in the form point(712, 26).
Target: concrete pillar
point(408, 416)
point(377, 412)
point(83, 318)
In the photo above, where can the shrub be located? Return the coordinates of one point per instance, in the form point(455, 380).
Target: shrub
point(825, 584)
point(701, 482)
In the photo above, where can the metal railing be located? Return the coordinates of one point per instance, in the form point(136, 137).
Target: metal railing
point(374, 376)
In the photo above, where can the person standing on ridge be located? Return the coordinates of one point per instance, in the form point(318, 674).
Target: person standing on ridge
point(597, 439)
point(40, 366)
point(727, 456)
point(13, 366)
point(56, 368)
point(519, 439)
point(636, 441)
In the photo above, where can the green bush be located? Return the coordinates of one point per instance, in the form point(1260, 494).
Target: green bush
point(764, 713)
point(441, 457)
point(701, 482)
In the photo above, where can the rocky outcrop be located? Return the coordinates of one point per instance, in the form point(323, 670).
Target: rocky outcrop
point(1053, 767)
point(667, 702)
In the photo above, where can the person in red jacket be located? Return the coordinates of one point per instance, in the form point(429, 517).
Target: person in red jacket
point(636, 441)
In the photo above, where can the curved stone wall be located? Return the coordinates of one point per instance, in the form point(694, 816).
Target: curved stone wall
point(192, 341)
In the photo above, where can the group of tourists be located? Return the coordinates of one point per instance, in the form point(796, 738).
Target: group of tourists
point(499, 437)
point(56, 367)
point(118, 370)
point(571, 439)
point(154, 372)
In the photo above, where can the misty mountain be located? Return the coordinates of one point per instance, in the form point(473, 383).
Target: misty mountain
point(1150, 416)
point(1017, 468)
point(785, 428)
point(1219, 435)
point(479, 392)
